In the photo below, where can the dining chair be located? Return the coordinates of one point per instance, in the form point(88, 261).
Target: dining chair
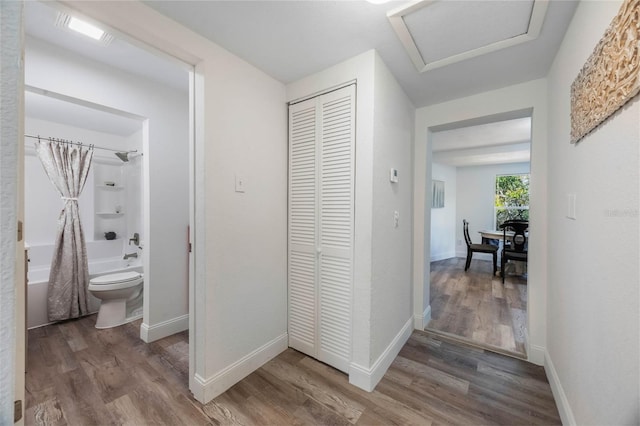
point(478, 248)
point(514, 247)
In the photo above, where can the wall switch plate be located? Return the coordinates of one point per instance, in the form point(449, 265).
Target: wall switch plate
point(393, 175)
point(240, 183)
point(396, 218)
point(571, 206)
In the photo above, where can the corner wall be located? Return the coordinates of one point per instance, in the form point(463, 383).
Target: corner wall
point(593, 354)
point(391, 295)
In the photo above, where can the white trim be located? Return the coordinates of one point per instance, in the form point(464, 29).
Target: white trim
point(421, 321)
point(564, 408)
point(151, 333)
point(443, 256)
point(368, 378)
point(204, 390)
point(396, 18)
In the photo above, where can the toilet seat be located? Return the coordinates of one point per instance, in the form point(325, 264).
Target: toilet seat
point(115, 281)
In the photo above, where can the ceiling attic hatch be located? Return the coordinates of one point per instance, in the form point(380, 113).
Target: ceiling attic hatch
point(79, 26)
point(438, 33)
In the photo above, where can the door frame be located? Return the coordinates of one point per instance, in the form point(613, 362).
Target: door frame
point(528, 98)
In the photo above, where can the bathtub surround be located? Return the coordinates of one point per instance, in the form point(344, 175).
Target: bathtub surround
point(67, 167)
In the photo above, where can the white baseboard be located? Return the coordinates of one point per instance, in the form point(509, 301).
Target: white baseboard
point(535, 353)
point(151, 333)
point(368, 378)
point(421, 321)
point(205, 389)
point(566, 414)
point(443, 256)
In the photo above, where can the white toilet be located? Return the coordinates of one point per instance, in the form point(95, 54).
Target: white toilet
point(121, 298)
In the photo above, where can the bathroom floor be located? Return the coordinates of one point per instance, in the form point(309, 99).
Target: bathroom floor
point(78, 375)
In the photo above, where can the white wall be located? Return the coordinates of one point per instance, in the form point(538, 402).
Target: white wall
point(510, 102)
point(444, 220)
point(382, 254)
point(11, 252)
point(593, 303)
point(166, 160)
point(391, 247)
point(475, 201)
point(239, 306)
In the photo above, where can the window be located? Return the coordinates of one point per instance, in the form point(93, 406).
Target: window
point(512, 198)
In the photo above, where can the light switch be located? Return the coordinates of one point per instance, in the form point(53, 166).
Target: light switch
point(393, 175)
point(240, 183)
point(571, 206)
point(396, 218)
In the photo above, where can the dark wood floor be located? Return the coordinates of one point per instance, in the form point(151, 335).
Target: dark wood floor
point(78, 375)
point(476, 306)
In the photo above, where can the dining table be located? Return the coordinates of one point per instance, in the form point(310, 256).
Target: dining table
point(494, 237)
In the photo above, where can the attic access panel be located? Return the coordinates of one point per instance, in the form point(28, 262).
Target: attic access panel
point(437, 33)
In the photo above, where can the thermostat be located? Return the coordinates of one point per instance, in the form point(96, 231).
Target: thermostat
point(393, 175)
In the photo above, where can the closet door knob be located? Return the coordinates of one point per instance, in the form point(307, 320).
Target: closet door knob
point(318, 250)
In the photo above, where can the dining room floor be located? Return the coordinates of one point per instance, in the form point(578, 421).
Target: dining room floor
point(475, 307)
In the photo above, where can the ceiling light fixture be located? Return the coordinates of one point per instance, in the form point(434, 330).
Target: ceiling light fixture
point(85, 28)
point(77, 25)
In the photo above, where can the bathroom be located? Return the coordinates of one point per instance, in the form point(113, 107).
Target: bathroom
point(79, 90)
point(110, 204)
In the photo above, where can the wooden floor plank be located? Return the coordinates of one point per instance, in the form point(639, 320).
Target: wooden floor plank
point(477, 306)
point(77, 375)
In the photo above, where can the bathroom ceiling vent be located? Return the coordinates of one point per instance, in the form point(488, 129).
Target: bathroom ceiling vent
point(438, 33)
point(80, 26)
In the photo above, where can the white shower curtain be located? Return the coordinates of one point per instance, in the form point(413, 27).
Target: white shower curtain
point(67, 167)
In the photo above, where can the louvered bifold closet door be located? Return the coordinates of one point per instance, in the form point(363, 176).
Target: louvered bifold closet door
point(302, 226)
point(337, 136)
point(321, 212)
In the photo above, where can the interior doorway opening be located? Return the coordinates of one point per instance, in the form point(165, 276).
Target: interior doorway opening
point(132, 97)
point(470, 303)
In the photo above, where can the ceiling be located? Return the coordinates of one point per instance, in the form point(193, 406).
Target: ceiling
point(293, 39)
point(40, 18)
point(501, 142)
point(290, 40)
point(62, 111)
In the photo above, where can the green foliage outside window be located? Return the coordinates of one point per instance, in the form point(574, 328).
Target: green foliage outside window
point(512, 198)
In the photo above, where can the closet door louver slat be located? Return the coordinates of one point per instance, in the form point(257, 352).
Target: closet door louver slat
point(336, 226)
point(302, 227)
point(321, 225)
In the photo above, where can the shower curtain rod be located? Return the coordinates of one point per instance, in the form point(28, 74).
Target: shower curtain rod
point(50, 139)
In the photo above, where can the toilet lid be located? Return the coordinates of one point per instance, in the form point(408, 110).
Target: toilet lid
point(116, 278)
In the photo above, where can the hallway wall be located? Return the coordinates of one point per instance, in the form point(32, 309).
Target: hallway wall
point(593, 298)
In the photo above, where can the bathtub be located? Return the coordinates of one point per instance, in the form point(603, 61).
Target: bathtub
point(38, 281)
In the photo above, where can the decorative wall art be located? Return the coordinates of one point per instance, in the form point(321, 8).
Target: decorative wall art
point(611, 75)
point(437, 202)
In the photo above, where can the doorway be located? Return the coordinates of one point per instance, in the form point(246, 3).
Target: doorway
point(138, 85)
point(472, 304)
